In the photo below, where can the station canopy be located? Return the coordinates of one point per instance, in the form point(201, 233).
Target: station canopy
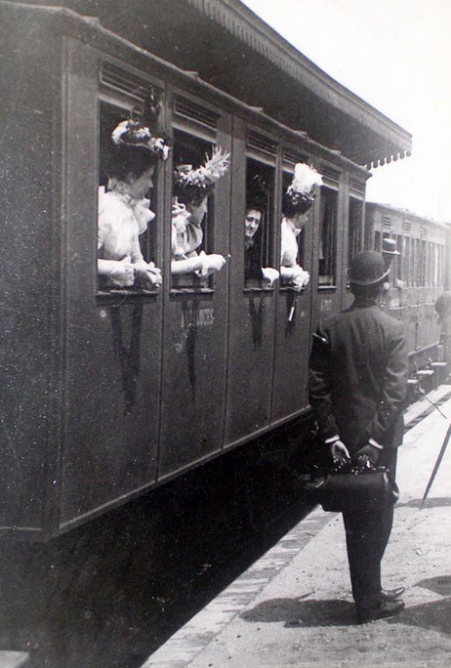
point(230, 47)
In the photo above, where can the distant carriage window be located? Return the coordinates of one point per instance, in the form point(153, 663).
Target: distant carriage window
point(416, 269)
point(442, 265)
point(423, 263)
point(407, 261)
point(328, 237)
point(399, 258)
point(355, 229)
point(259, 224)
point(198, 164)
point(127, 172)
point(392, 260)
point(377, 241)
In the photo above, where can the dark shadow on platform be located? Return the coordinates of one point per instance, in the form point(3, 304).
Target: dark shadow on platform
point(434, 616)
point(441, 584)
point(437, 502)
point(296, 612)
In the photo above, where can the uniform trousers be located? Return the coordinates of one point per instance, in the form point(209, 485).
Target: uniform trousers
point(367, 534)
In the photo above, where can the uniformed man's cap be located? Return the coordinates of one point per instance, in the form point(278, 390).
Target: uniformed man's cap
point(368, 268)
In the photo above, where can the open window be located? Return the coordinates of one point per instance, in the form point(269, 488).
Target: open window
point(287, 178)
point(258, 227)
point(328, 238)
point(192, 221)
point(110, 115)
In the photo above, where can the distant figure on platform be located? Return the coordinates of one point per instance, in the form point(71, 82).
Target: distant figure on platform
point(443, 308)
point(190, 202)
point(297, 201)
point(358, 386)
point(124, 212)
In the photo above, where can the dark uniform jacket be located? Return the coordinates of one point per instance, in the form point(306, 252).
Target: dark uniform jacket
point(358, 376)
point(252, 263)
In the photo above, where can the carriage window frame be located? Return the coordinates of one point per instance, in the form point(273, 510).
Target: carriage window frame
point(355, 223)
point(399, 266)
point(328, 190)
point(287, 177)
point(263, 148)
point(407, 260)
point(267, 228)
point(192, 283)
point(111, 295)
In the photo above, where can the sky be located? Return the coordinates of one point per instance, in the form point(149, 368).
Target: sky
point(396, 55)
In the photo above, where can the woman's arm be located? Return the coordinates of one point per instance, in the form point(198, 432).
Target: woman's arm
point(120, 272)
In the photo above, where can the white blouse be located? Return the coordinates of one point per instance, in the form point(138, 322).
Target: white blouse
point(289, 244)
point(121, 221)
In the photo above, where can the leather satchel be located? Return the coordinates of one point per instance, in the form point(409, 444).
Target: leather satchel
point(358, 490)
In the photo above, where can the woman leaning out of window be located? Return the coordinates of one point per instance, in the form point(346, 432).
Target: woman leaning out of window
point(297, 201)
point(191, 190)
point(124, 212)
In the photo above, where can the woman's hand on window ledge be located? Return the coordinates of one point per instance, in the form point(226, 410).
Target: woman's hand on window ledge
point(270, 275)
point(148, 276)
point(210, 263)
point(295, 276)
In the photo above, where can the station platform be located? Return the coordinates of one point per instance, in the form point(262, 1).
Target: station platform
point(293, 607)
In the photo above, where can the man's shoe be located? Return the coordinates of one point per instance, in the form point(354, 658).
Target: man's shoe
point(391, 594)
point(385, 609)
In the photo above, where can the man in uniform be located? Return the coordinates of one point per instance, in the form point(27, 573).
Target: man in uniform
point(358, 386)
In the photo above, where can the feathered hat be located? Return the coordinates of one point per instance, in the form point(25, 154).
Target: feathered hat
point(196, 184)
point(300, 191)
point(133, 133)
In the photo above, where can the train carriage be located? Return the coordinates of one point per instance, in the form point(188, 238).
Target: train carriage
point(419, 273)
point(110, 392)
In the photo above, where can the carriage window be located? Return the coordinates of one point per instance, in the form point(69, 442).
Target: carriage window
point(407, 261)
point(258, 221)
point(399, 258)
point(377, 241)
point(434, 265)
point(123, 258)
point(328, 236)
point(423, 264)
point(441, 277)
point(193, 214)
point(287, 179)
point(355, 227)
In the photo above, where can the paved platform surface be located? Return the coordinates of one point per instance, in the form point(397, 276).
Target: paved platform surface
point(294, 607)
point(14, 660)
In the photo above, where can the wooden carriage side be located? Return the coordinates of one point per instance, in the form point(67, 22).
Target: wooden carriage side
point(130, 389)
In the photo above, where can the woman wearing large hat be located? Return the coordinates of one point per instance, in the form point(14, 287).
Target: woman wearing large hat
point(124, 212)
point(358, 385)
point(297, 201)
point(191, 189)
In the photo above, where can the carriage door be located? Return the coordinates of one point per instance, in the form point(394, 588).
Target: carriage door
point(195, 324)
point(293, 318)
point(112, 333)
point(251, 339)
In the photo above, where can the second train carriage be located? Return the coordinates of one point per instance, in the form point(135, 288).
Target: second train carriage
point(419, 274)
point(107, 393)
